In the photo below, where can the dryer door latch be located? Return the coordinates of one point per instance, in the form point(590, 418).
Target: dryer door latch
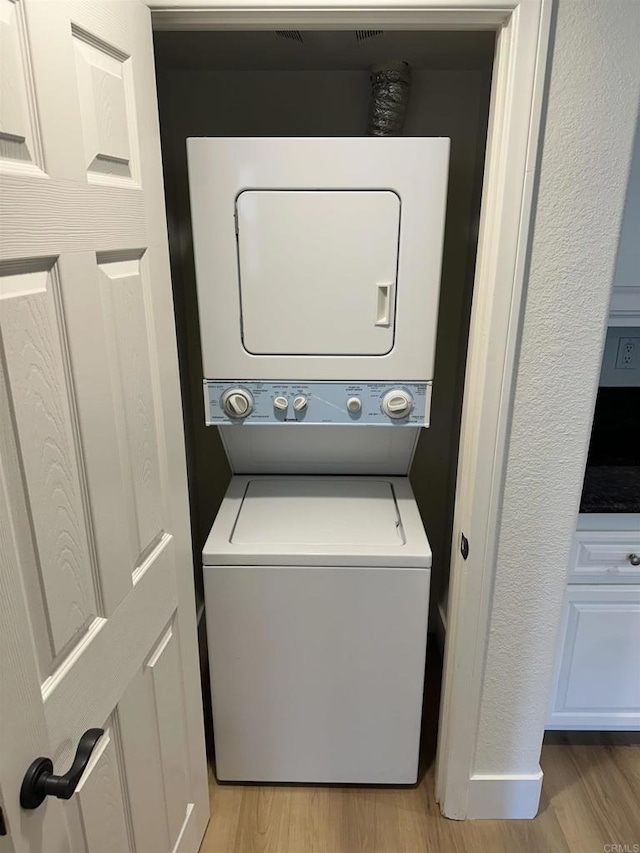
point(464, 546)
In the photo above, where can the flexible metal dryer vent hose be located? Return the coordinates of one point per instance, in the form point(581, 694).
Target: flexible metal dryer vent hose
point(390, 85)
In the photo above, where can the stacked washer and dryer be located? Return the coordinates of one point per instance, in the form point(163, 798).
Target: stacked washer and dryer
point(318, 274)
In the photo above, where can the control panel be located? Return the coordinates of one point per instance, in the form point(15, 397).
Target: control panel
point(370, 403)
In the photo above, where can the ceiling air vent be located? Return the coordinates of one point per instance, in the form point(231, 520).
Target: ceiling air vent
point(362, 35)
point(292, 35)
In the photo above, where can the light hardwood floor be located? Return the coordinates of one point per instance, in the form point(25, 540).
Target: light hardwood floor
point(590, 798)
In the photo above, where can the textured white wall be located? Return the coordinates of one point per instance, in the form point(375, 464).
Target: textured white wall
point(591, 115)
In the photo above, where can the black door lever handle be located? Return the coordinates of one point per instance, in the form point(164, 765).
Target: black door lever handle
point(40, 782)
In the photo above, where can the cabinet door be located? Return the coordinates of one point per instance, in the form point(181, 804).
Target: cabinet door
point(598, 671)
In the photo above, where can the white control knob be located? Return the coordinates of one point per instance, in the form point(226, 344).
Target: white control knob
point(237, 403)
point(300, 403)
point(354, 405)
point(397, 403)
point(281, 404)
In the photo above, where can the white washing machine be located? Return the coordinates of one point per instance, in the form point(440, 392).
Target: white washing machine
point(317, 597)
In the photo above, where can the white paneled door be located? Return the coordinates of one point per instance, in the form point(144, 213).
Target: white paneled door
point(97, 616)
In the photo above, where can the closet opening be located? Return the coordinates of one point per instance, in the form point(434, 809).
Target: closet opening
point(317, 83)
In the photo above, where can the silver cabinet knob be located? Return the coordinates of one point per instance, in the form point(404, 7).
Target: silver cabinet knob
point(634, 559)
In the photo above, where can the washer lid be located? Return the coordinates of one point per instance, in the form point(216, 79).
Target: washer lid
point(318, 521)
point(307, 511)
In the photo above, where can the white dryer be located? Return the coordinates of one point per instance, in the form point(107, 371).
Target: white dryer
point(317, 595)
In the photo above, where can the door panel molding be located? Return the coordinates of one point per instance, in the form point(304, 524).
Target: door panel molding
point(92, 465)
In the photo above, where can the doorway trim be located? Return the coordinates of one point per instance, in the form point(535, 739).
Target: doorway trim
point(522, 36)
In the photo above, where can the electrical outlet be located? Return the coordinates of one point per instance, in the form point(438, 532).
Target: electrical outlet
point(628, 354)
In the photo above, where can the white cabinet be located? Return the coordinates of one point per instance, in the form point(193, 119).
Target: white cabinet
point(624, 309)
point(597, 680)
point(598, 670)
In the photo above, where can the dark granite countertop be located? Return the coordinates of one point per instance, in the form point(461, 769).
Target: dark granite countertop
point(612, 477)
point(611, 488)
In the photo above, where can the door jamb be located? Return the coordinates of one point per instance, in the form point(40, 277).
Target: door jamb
point(522, 28)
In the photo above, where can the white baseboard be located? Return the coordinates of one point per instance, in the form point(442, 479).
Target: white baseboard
point(504, 797)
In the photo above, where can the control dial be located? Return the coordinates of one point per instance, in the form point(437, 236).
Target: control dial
point(397, 403)
point(281, 404)
point(354, 405)
point(237, 403)
point(300, 403)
